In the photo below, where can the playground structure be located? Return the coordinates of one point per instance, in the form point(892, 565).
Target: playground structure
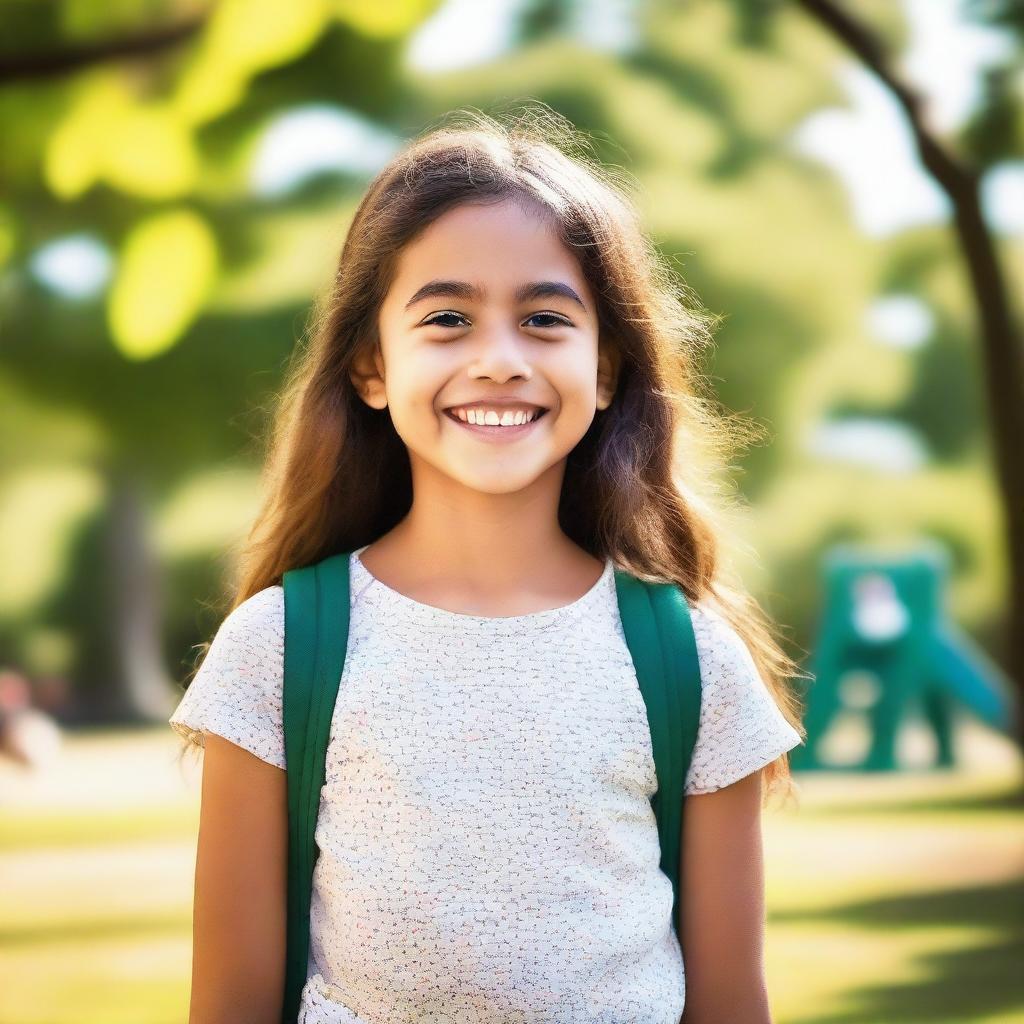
point(883, 615)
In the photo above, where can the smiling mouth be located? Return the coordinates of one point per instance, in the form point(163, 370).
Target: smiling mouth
point(495, 430)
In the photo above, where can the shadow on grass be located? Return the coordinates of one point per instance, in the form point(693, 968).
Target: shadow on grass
point(962, 985)
point(115, 928)
point(71, 830)
point(1009, 801)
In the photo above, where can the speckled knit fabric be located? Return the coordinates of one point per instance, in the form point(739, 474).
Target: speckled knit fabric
point(488, 851)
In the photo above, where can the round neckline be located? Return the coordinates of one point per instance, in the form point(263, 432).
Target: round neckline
point(432, 615)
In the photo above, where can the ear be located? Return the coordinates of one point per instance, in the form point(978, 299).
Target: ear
point(609, 362)
point(367, 376)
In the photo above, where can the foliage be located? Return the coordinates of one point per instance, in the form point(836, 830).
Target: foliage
point(167, 365)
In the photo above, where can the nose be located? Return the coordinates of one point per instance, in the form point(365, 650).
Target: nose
point(500, 355)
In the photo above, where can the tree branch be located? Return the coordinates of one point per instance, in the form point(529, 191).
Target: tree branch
point(1002, 351)
point(20, 68)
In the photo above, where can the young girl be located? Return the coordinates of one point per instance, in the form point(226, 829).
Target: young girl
point(498, 408)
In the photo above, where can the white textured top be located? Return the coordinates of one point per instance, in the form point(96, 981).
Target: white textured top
point(488, 851)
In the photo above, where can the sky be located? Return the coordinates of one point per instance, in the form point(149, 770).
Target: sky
point(868, 143)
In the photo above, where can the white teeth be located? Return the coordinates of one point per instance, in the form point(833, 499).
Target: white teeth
point(490, 417)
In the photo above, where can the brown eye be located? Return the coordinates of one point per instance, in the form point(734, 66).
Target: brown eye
point(437, 317)
point(559, 321)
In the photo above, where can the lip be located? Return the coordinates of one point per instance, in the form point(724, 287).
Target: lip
point(494, 433)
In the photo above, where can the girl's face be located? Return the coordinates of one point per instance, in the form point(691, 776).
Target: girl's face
point(488, 310)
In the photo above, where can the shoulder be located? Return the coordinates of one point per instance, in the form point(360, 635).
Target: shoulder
point(249, 643)
point(723, 654)
point(237, 691)
point(258, 619)
point(742, 727)
point(265, 605)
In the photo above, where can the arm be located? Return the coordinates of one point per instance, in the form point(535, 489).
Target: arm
point(239, 922)
point(722, 906)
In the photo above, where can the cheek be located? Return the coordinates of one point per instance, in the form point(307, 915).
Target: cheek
point(418, 414)
point(415, 386)
point(576, 388)
point(572, 368)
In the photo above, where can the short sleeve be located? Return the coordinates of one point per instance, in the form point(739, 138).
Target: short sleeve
point(237, 691)
point(741, 728)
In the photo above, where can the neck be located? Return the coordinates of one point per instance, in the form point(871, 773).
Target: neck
point(485, 544)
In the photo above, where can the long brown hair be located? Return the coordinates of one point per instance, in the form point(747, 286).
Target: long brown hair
point(644, 485)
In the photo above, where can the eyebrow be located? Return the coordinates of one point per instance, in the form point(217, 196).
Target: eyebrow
point(470, 292)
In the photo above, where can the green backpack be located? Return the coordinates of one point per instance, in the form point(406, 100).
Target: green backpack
point(659, 634)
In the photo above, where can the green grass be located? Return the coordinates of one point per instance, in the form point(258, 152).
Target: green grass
point(891, 901)
point(899, 905)
point(25, 830)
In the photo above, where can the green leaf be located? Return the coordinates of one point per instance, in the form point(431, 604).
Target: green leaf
point(166, 270)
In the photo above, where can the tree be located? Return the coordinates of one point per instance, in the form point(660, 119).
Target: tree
point(998, 324)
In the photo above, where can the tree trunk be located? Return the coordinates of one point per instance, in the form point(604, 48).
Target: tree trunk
point(1002, 351)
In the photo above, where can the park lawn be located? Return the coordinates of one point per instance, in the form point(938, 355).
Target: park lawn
point(99, 932)
point(890, 899)
point(897, 899)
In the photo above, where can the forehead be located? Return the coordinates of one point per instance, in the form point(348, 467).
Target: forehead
point(498, 246)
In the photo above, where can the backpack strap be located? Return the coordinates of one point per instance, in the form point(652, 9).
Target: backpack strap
point(316, 618)
point(659, 634)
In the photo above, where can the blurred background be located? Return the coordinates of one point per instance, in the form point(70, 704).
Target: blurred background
point(843, 183)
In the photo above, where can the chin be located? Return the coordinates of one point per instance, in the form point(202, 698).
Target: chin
point(498, 487)
point(498, 482)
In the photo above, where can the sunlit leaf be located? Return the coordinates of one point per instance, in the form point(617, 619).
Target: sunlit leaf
point(39, 508)
point(150, 154)
point(74, 153)
point(166, 270)
point(242, 38)
point(385, 18)
point(206, 91)
point(8, 235)
point(205, 513)
point(142, 149)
